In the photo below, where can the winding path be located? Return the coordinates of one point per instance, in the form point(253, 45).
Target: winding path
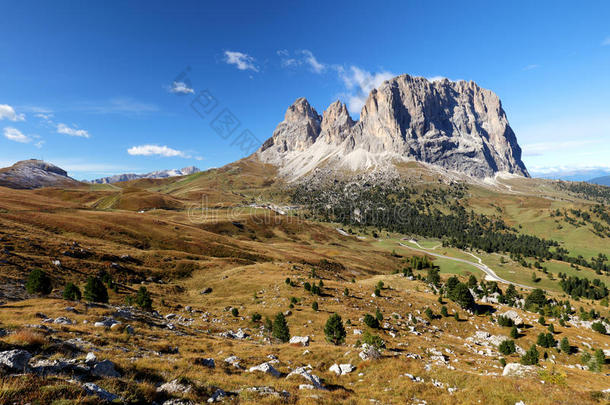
point(480, 265)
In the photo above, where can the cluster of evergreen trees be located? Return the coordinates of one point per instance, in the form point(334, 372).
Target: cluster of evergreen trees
point(583, 287)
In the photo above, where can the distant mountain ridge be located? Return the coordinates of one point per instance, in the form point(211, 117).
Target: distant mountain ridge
point(602, 181)
point(159, 174)
point(33, 173)
point(457, 126)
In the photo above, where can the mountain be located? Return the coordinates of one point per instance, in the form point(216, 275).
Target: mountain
point(572, 175)
point(457, 126)
point(30, 174)
point(604, 181)
point(161, 174)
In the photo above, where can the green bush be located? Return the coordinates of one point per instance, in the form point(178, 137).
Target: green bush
point(256, 317)
point(314, 306)
point(599, 327)
point(95, 290)
point(143, 299)
point(346, 292)
point(371, 321)
point(38, 283)
point(514, 332)
point(462, 296)
point(235, 312)
point(530, 357)
point(280, 328)
point(378, 315)
point(507, 347)
point(444, 311)
point(373, 340)
point(505, 321)
point(546, 340)
point(334, 330)
point(565, 346)
point(71, 292)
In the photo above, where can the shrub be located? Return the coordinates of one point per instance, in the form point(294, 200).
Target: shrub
point(530, 357)
point(429, 313)
point(514, 332)
point(346, 292)
point(314, 306)
point(536, 299)
point(235, 312)
point(551, 328)
point(288, 282)
point(38, 283)
point(380, 285)
point(456, 315)
point(280, 328)
point(373, 340)
point(502, 361)
point(95, 290)
point(541, 320)
point(256, 317)
point(371, 321)
point(505, 321)
point(599, 327)
point(507, 347)
point(565, 346)
point(546, 340)
point(315, 290)
point(462, 296)
point(294, 300)
point(378, 315)
point(334, 330)
point(307, 286)
point(268, 324)
point(444, 311)
point(377, 292)
point(71, 292)
point(143, 299)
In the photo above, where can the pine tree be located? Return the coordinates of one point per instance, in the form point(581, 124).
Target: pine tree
point(444, 311)
point(314, 306)
point(378, 315)
point(334, 330)
point(371, 321)
point(530, 357)
point(346, 292)
point(507, 347)
point(95, 290)
point(514, 332)
point(143, 299)
point(38, 283)
point(71, 292)
point(280, 328)
point(565, 346)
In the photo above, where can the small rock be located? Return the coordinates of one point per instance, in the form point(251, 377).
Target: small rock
point(15, 360)
point(175, 387)
point(105, 369)
point(93, 389)
point(300, 340)
point(265, 368)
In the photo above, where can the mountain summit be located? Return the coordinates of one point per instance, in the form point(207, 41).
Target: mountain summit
point(33, 173)
point(457, 126)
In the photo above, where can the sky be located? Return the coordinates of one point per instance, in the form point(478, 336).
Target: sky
point(101, 88)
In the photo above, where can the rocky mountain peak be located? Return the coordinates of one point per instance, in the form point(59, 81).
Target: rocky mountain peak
point(457, 126)
point(33, 173)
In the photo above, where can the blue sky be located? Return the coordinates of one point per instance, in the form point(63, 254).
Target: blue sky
point(106, 87)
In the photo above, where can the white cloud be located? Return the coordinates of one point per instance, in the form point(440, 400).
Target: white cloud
point(606, 42)
point(539, 148)
point(39, 144)
point(13, 134)
point(8, 112)
point(313, 63)
point(359, 84)
point(436, 78)
point(286, 60)
point(241, 60)
point(181, 88)
point(152, 150)
point(119, 105)
point(64, 129)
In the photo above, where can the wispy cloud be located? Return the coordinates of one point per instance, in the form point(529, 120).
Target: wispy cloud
point(156, 150)
point(241, 60)
point(119, 105)
point(606, 41)
point(66, 130)
point(286, 60)
point(8, 112)
point(303, 57)
point(540, 148)
point(180, 88)
point(313, 63)
point(530, 67)
point(359, 84)
point(436, 78)
point(13, 134)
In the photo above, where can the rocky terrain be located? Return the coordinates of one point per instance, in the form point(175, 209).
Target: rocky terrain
point(30, 174)
point(457, 126)
point(159, 174)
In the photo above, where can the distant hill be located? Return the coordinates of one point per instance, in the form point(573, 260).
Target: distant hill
point(160, 174)
point(30, 174)
point(603, 181)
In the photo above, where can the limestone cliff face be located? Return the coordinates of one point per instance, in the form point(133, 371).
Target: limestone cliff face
point(455, 125)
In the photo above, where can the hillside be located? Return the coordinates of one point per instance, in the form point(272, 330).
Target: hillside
point(602, 181)
point(216, 248)
point(29, 174)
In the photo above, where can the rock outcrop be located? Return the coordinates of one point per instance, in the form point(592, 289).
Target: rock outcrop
point(30, 174)
point(458, 126)
point(159, 174)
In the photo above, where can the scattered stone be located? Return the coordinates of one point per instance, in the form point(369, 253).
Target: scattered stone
point(369, 352)
point(517, 370)
point(129, 329)
point(341, 369)
point(234, 361)
point(105, 323)
point(300, 340)
point(265, 368)
point(15, 360)
point(206, 362)
point(93, 389)
point(175, 387)
point(105, 369)
point(268, 391)
point(303, 372)
point(217, 396)
point(514, 316)
point(91, 358)
point(206, 290)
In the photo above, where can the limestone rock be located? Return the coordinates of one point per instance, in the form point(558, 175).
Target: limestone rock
point(15, 360)
point(265, 368)
point(517, 370)
point(300, 340)
point(457, 126)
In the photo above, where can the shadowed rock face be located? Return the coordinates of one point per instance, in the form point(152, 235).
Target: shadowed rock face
point(455, 125)
point(29, 174)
